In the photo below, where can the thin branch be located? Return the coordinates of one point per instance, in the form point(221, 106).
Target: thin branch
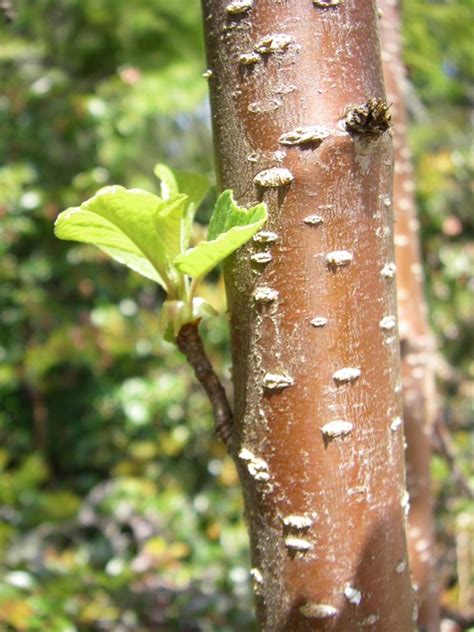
point(444, 446)
point(190, 343)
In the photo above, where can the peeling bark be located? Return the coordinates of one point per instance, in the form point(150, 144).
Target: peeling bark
point(317, 430)
point(415, 336)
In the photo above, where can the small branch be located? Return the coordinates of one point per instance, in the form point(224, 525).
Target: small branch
point(190, 343)
point(444, 446)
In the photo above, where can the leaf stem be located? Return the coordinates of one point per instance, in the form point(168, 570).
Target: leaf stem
point(190, 343)
point(192, 288)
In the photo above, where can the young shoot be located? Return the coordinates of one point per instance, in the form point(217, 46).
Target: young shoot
point(152, 235)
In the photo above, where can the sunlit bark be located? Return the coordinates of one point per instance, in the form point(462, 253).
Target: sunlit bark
point(300, 121)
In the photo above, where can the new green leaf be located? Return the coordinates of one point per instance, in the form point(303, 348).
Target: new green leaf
point(175, 314)
point(168, 186)
point(169, 221)
point(132, 226)
point(193, 185)
point(231, 226)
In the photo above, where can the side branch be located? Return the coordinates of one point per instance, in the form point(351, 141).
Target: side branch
point(190, 344)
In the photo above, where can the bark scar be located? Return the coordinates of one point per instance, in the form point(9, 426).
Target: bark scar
point(369, 119)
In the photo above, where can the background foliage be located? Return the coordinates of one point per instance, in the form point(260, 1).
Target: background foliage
point(118, 509)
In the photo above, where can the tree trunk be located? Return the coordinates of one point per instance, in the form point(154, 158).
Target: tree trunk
point(415, 338)
point(299, 121)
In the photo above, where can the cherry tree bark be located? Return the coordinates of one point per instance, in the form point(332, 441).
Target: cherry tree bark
point(300, 121)
point(415, 337)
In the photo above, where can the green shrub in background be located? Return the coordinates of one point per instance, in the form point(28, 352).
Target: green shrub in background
point(118, 509)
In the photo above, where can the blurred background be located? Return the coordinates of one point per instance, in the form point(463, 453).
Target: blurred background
point(118, 509)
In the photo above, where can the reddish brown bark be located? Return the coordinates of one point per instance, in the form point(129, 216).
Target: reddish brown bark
point(416, 345)
point(317, 429)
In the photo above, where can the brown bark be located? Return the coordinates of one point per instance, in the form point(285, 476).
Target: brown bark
point(299, 118)
point(415, 338)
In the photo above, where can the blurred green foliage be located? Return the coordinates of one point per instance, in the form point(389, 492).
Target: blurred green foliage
point(118, 509)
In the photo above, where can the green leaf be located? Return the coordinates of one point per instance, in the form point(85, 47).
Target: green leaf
point(130, 225)
point(194, 185)
point(231, 226)
point(169, 186)
point(227, 215)
point(169, 227)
